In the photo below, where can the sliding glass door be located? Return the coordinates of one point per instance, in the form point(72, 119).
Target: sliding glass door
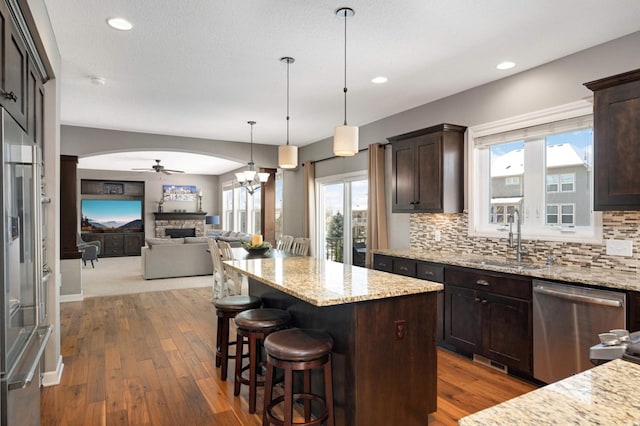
point(342, 218)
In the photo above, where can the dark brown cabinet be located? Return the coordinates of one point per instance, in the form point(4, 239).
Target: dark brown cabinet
point(416, 269)
point(427, 168)
point(117, 244)
point(617, 142)
point(13, 69)
point(489, 314)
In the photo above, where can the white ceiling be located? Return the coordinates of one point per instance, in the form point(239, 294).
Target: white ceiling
point(203, 68)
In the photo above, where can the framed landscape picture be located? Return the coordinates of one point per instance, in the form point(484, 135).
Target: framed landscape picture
point(179, 192)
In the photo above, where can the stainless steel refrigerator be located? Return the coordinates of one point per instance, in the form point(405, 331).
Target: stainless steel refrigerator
point(23, 334)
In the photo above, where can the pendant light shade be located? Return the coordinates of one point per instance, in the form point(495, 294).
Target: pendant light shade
point(345, 141)
point(345, 137)
point(287, 154)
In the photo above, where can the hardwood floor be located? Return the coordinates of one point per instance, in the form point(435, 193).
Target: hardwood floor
point(149, 359)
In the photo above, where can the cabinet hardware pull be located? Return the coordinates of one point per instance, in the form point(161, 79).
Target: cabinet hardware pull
point(477, 299)
point(484, 300)
point(482, 282)
point(10, 95)
point(404, 268)
point(429, 273)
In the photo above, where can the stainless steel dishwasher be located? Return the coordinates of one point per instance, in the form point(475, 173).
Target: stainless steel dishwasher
point(566, 322)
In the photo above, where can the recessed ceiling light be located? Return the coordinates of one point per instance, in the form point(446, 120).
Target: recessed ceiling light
point(505, 65)
point(379, 80)
point(98, 81)
point(119, 24)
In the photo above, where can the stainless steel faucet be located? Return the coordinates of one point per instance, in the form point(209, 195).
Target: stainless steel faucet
point(520, 251)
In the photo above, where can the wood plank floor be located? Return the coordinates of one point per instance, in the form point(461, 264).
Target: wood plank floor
point(148, 359)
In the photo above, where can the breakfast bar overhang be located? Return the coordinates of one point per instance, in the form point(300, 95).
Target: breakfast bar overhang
point(383, 325)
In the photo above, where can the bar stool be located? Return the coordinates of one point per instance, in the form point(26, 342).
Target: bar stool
point(226, 309)
point(292, 350)
point(255, 325)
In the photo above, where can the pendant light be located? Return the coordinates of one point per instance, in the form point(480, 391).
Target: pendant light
point(287, 154)
point(249, 178)
point(345, 137)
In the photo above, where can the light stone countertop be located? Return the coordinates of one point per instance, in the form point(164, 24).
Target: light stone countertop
point(604, 395)
point(325, 283)
point(588, 276)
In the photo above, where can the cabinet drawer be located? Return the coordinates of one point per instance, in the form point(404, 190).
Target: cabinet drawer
point(404, 267)
point(491, 282)
point(382, 263)
point(430, 271)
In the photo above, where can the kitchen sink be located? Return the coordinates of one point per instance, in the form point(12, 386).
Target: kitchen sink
point(511, 264)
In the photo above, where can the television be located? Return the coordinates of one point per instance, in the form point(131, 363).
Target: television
point(111, 215)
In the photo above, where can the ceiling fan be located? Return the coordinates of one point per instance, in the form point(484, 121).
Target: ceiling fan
point(159, 168)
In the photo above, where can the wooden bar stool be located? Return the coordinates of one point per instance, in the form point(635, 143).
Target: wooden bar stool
point(298, 350)
point(226, 309)
point(255, 325)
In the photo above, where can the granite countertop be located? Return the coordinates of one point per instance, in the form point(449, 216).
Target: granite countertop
point(588, 276)
point(325, 283)
point(607, 394)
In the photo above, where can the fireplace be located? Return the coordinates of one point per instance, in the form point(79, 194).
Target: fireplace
point(180, 232)
point(191, 222)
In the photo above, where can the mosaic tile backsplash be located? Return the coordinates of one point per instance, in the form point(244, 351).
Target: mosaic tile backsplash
point(454, 239)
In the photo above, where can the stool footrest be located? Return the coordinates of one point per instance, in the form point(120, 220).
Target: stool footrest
point(273, 418)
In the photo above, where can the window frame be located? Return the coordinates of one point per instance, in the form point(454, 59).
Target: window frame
point(479, 190)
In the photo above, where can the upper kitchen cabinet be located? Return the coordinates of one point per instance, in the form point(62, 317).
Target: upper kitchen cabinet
point(428, 170)
point(616, 141)
point(13, 69)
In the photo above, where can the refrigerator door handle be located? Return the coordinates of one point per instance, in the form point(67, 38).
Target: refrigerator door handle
point(38, 344)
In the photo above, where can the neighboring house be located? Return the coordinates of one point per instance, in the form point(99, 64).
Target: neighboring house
point(567, 201)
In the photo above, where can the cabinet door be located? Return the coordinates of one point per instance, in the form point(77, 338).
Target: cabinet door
point(14, 98)
point(428, 183)
point(132, 244)
point(113, 245)
point(403, 157)
point(507, 331)
point(617, 147)
point(462, 318)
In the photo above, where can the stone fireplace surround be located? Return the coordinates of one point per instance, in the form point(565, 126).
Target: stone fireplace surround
point(164, 221)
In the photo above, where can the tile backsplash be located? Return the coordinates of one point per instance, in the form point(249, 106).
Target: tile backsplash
point(454, 239)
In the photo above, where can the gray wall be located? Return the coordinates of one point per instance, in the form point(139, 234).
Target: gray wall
point(556, 83)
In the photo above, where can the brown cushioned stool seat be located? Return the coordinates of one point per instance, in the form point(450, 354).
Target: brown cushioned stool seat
point(255, 325)
point(226, 309)
point(298, 350)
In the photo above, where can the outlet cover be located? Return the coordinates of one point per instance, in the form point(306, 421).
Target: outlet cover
point(437, 235)
point(620, 248)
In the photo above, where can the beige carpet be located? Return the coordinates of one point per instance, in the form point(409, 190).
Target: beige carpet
point(123, 275)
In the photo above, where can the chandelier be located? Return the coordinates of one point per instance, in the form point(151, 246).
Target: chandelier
point(250, 178)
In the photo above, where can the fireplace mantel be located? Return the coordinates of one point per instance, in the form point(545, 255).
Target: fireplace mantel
point(180, 216)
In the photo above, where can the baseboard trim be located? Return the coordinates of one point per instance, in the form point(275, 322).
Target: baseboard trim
point(52, 378)
point(78, 297)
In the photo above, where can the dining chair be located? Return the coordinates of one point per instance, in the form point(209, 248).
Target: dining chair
point(284, 243)
point(300, 246)
point(223, 282)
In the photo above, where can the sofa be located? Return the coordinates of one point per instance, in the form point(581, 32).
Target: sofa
point(176, 257)
point(234, 238)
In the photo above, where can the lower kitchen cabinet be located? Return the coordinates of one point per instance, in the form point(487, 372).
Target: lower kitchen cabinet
point(490, 314)
point(416, 269)
point(117, 244)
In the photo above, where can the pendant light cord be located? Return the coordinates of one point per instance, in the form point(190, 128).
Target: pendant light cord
point(288, 62)
point(345, 67)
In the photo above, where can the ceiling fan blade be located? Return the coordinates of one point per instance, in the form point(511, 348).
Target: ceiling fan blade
point(143, 169)
point(166, 172)
point(173, 171)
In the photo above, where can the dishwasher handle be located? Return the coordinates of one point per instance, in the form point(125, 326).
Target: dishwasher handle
point(578, 297)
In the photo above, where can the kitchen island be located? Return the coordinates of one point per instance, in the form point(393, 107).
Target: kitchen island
point(383, 325)
point(606, 394)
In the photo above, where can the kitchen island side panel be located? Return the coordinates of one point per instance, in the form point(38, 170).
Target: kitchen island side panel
point(377, 380)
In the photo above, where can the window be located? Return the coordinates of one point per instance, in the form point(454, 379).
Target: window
point(512, 180)
point(560, 214)
point(540, 164)
point(561, 183)
point(241, 210)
